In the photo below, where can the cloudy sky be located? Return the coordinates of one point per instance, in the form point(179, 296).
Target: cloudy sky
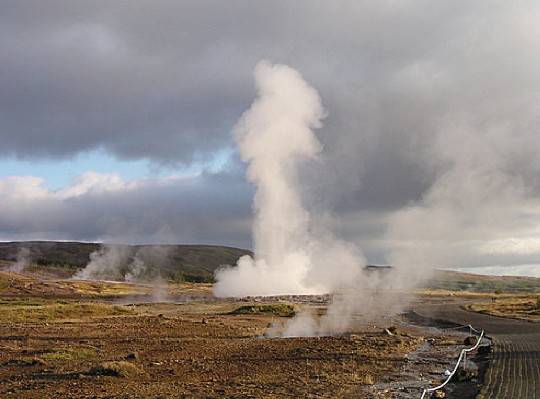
point(116, 121)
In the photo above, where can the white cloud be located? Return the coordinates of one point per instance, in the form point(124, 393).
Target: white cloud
point(92, 182)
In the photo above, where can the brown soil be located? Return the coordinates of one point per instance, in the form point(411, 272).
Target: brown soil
point(65, 348)
point(26, 285)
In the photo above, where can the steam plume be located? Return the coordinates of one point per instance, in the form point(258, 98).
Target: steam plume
point(275, 136)
point(22, 261)
point(106, 263)
point(474, 198)
point(113, 262)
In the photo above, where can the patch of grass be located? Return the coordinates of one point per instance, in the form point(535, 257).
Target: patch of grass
point(68, 355)
point(525, 309)
point(100, 288)
point(280, 310)
point(35, 313)
point(117, 369)
point(20, 301)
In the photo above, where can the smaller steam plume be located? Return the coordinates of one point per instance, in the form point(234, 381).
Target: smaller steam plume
point(122, 262)
point(107, 263)
point(22, 261)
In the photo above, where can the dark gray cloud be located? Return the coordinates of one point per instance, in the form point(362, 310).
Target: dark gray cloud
point(409, 86)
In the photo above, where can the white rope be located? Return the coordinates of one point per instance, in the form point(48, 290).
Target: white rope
point(461, 354)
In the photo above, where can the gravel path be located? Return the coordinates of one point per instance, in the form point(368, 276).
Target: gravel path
point(515, 368)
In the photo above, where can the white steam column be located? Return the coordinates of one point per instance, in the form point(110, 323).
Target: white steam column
point(275, 136)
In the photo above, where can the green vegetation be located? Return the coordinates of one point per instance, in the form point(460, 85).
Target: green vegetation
point(187, 277)
point(70, 255)
point(3, 283)
point(22, 301)
point(32, 312)
point(522, 308)
point(181, 263)
point(280, 310)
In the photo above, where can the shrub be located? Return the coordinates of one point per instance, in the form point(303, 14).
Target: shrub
point(29, 312)
point(199, 278)
point(282, 310)
point(116, 369)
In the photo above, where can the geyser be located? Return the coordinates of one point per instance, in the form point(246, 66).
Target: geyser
point(275, 137)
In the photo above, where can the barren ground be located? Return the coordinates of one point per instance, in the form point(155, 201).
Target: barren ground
point(63, 346)
point(77, 339)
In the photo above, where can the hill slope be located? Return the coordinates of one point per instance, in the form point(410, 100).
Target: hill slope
point(66, 258)
point(457, 281)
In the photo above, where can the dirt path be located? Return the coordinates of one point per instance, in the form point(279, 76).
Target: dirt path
point(515, 367)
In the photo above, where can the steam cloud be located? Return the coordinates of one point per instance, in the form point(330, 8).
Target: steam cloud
point(112, 262)
point(22, 261)
point(276, 136)
point(476, 207)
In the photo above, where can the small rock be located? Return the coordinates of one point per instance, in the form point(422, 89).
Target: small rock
point(438, 395)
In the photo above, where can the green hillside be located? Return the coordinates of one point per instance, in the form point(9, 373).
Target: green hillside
point(456, 281)
point(174, 262)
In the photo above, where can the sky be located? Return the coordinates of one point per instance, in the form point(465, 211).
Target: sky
point(116, 123)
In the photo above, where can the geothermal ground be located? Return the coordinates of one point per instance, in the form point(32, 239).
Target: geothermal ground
point(78, 339)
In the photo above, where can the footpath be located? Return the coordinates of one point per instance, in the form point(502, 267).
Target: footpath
point(514, 372)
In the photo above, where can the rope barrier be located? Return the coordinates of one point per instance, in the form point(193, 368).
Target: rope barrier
point(471, 328)
point(462, 354)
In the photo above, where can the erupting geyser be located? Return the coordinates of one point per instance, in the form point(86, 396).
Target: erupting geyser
point(275, 136)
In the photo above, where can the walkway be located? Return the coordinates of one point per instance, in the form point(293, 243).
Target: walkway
point(515, 368)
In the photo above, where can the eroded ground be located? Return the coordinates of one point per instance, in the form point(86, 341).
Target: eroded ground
point(76, 339)
point(192, 350)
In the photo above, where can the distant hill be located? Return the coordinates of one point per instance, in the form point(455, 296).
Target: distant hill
point(197, 263)
point(456, 281)
point(172, 261)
